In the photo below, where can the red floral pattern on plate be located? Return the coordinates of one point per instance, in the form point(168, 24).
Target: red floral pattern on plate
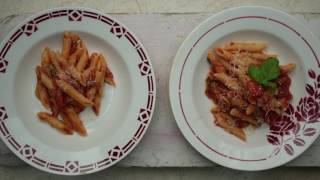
point(291, 129)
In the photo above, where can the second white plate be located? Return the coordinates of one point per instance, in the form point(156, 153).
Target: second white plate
point(293, 43)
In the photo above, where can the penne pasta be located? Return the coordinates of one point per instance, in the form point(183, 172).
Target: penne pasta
point(211, 57)
point(244, 79)
point(54, 60)
point(91, 93)
point(66, 120)
point(223, 54)
point(36, 92)
point(45, 79)
point(288, 67)
point(245, 83)
point(216, 66)
point(262, 56)
point(74, 37)
point(75, 56)
point(69, 90)
point(248, 46)
point(237, 113)
point(94, 58)
point(108, 78)
point(75, 121)
point(99, 92)
point(221, 121)
point(250, 109)
point(77, 75)
point(71, 70)
point(70, 81)
point(54, 122)
point(82, 63)
point(45, 58)
point(236, 99)
point(228, 81)
point(42, 94)
point(67, 42)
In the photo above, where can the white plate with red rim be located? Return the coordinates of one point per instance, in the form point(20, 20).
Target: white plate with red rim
point(266, 147)
point(126, 109)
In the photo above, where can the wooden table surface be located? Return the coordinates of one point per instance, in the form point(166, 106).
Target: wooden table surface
point(162, 26)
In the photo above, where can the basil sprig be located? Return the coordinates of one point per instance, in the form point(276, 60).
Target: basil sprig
point(266, 72)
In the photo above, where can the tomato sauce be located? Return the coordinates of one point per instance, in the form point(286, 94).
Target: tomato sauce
point(255, 89)
point(283, 83)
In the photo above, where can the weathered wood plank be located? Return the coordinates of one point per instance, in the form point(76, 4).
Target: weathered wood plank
point(9, 7)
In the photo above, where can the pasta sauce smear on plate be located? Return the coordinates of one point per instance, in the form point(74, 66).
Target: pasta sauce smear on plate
point(247, 86)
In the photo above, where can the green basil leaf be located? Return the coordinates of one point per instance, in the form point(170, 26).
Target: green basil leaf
point(270, 69)
point(266, 72)
point(255, 73)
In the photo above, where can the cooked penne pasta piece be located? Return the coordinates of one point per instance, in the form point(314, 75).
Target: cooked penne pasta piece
point(217, 67)
point(228, 81)
point(288, 67)
point(236, 99)
point(54, 60)
point(250, 109)
point(221, 121)
point(223, 54)
point(237, 113)
point(74, 57)
point(99, 91)
point(90, 75)
point(262, 56)
point(91, 93)
point(94, 58)
point(210, 56)
point(71, 70)
point(101, 64)
point(66, 120)
point(75, 121)
point(45, 58)
point(74, 37)
point(42, 94)
point(108, 78)
point(69, 90)
point(44, 78)
point(36, 92)
point(77, 75)
point(244, 79)
point(67, 42)
point(82, 63)
point(55, 123)
point(248, 46)
point(242, 63)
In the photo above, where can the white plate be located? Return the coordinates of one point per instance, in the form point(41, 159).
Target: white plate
point(264, 149)
point(126, 109)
